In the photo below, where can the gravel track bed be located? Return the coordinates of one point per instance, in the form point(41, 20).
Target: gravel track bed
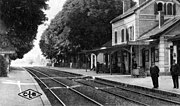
point(51, 83)
point(104, 98)
point(94, 93)
point(138, 97)
point(56, 73)
point(49, 95)
point(68, 82)
point(167, 96)
point(71, 98)
point(128, 94)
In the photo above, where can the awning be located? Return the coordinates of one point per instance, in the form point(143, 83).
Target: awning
point(174, 38)
point(124, 46)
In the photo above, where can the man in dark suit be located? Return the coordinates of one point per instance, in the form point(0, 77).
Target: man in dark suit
point(175, 73)
point(154, 71)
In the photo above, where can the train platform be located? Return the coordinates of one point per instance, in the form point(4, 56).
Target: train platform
point(165, 82)
point(21, 89)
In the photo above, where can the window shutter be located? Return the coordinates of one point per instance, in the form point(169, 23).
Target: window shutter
point(155, 8)
point(133, 33)
point(122, 35)
point(164, 8)
point(115, 38)
point(127, 34)
point(174, 9)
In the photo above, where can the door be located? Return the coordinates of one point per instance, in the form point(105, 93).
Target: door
point(178, 54)
point(171, 55)
point(143, 58)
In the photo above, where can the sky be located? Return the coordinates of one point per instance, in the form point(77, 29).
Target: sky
point(34, 57)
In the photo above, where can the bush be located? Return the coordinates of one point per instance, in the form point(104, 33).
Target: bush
point(3, 66)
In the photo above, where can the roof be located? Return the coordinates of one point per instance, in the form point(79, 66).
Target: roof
point(107, 44)
point(156, 31)
point(129, 11)
point(175, 38)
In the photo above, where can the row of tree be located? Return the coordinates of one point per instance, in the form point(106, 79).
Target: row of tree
point(21, 18)
point(81, 25)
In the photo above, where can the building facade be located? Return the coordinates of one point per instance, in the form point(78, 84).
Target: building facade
point(142, 34)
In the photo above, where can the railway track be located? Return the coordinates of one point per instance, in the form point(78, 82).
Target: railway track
point(88, 86)
point(139, 96)
point(102, 98)
point(82, 100)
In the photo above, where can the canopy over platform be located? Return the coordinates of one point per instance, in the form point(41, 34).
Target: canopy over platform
point(174, 38)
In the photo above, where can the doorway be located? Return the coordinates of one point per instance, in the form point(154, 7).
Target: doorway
point(143, 59)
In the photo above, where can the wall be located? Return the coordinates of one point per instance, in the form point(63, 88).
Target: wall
point(117, 26)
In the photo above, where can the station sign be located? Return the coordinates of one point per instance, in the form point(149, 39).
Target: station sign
point(6, 52)
point(138, 43)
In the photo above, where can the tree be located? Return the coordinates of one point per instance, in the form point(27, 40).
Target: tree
point(85, 24)
point(22, 17)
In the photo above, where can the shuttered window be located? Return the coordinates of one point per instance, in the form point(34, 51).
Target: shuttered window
point(169, 9)
point(131, 33)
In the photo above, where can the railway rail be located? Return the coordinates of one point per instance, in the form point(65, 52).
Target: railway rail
point(86, 100)
point(136, 95)
point(86, 86)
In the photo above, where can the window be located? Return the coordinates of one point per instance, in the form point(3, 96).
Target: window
point(122, 35)
point(131, 33)
point(169, 9)
point(160, 6)
point(115, 36)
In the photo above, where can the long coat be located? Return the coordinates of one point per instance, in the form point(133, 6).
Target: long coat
point(175, 69)
point(154, 71)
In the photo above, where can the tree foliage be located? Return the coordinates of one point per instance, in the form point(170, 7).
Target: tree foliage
point(22, 17)
point(82, 25)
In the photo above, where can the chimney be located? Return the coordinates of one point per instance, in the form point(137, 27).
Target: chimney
point(126, 5)
point(161, 18)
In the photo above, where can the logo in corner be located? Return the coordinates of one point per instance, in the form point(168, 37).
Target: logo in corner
point(29, 94)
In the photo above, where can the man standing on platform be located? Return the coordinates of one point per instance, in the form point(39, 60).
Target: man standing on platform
point(175, 73)
point(154, 71)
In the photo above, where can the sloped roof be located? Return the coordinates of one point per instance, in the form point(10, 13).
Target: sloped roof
point(156, 30)
point(129, 11)
point(175, 38)
point(107, 44)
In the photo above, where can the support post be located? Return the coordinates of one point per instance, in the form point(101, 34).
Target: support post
point(131, 69)
point(96, 63)
point(110, 63)
point(86, 61)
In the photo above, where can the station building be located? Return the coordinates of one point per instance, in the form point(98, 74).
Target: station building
point(145, 34)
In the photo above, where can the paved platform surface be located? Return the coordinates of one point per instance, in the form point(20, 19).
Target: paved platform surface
point(19, 80)
point(165, 82)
